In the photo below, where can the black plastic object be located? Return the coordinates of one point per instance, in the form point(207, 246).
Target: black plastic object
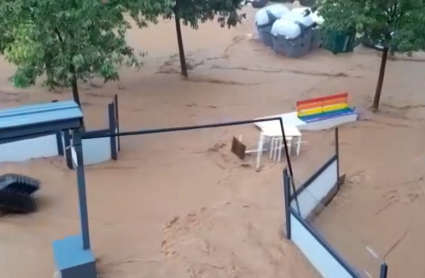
point(258, 3)
point(15, 193)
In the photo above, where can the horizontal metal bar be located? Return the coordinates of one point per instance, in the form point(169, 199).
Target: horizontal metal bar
point(174, 129)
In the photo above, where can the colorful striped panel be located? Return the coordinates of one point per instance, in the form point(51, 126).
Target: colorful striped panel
point(329, 108)
point(322, 103)
point(327, 115)
point(320, 99)
point(324, 109)
point(335, 101)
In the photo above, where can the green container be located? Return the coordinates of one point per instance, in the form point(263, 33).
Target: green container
point(338, 42)
point(305, 3)
point(308, 3)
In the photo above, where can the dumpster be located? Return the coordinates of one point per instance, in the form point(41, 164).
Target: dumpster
point(339, 42)
point(292, 35)
point(264, 20)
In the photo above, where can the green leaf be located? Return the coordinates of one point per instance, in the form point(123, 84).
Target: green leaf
point(397, 24)
point(64, 39)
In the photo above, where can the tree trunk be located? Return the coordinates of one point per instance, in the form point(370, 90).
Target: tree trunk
point(74, 85)
point(378, 91)
point(180, 43)
point(75, 93)
point(76, 96)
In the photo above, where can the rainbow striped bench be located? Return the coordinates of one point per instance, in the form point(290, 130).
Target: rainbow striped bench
point(322, 108)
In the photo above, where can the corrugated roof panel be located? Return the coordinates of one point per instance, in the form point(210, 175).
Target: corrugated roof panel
point(39, 114)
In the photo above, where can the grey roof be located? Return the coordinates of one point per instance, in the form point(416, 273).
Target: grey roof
point(36, 119)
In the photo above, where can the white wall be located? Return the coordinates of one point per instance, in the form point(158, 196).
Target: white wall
point(96, 150)
point(45, 146)
point(317, 190)
point(318, 256)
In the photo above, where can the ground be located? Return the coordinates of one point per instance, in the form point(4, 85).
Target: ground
point(181, 205)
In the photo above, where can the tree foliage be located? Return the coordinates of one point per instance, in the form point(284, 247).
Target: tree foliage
point(69, 40)
point(191, 12)
point(397, 25)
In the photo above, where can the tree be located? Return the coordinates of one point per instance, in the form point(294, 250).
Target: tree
point(68, 40)
point(396, 24)
point(191, 12)
point(194, 11)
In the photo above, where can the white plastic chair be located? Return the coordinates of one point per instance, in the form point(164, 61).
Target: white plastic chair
point(273, 134)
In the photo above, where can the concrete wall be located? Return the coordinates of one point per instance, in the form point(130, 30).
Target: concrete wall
point(44, 146)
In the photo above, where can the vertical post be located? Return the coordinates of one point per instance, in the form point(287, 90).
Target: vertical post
point(287, 194)
point(378, 90)
point(117, 120)
point(82, 196)
point(288, 161)
point(112, 130)
point(384, 271)
point(68, 154)
point(59, 143)
point(337, 155)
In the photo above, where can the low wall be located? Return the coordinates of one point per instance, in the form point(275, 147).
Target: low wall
point(98, 150)
point(305, 203)
point(58, 144)
point(43, 146)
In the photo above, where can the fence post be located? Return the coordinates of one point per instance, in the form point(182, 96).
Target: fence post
point(337, 156)
point(384, 271)
point(81, 182)
point(59, 142)
point(67, 143)
point(112, 130)
point(286, 190)
point(117, 120)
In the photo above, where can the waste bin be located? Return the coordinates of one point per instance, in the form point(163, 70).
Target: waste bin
point(339, 42)
point(292, 34)
point(316, 39)
point(264, 20)
point(258, 3)
point(294, 41)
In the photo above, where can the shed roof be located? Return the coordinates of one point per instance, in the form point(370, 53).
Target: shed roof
point(32, 120)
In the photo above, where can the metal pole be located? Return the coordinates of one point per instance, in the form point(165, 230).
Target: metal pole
point(384, 271)
point(337, 154)
point(117, 119)
point(82, 196)
point(181, 128)
point(288, 159)
point(286, 190)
